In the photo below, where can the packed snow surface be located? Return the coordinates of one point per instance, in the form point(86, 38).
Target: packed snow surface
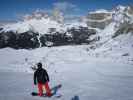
point(82, 76)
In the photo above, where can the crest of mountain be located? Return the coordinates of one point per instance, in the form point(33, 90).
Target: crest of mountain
point(103, 24)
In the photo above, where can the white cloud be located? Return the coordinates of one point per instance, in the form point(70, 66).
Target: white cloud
point(65, 6)
point(69, 10)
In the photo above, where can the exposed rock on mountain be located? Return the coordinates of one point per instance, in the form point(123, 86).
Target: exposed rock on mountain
point(99, 19)
point(40, 29)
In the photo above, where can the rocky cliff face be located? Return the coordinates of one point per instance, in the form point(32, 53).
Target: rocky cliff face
point(31, 39)
point(102, 18)
point(124, 20)
point(99, 19)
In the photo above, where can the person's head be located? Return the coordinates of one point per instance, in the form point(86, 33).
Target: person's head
point(39, 65)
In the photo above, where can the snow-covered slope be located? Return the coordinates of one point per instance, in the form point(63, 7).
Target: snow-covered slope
point(24, 59)
point(36, 25)
point(120, 16)
point(116, 39)
point(82, 76)
point(119, 49)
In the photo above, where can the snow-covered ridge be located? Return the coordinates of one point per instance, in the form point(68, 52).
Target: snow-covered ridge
point(106, 23)
point(41, 26)
point(120, 19)
point(41, 22)
point(36, 25)
point(100, 11)
point(115, 38)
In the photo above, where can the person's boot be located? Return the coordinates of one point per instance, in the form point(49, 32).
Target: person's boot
point(49, 94)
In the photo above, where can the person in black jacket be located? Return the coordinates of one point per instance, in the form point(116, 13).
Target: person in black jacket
point(41, 78)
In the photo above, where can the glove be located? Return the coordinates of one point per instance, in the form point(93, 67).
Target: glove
point(48, 79)
point(34, 83)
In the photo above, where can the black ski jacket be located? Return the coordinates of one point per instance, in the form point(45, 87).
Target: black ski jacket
point(41, 76)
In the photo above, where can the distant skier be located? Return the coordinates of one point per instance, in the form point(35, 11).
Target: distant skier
point(41, 78)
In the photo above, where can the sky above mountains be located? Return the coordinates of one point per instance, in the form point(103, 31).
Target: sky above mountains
point(13, 9)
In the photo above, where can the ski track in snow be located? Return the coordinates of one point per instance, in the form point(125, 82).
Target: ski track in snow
point(81, 76)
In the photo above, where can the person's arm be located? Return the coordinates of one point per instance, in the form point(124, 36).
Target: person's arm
point(35, 78)
point(47, 75)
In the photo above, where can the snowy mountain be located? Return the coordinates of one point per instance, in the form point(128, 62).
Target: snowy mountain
point(36, 25)
point(3, 23)
point(97, 19)
point(40, 29)
point(116, 38)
